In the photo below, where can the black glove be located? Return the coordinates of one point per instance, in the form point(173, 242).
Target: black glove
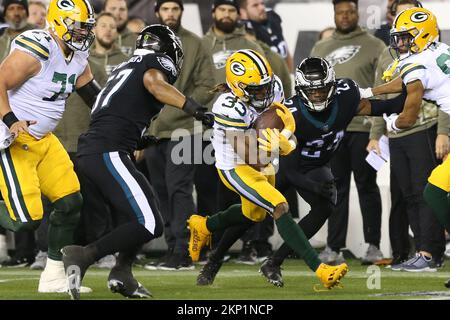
point(198, 112)
point(146, 141)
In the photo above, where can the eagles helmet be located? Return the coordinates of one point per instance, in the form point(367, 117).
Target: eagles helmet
point(250, 77)
point(72, 21)
point(159, 38)
point(416, 28)
point(315, 83)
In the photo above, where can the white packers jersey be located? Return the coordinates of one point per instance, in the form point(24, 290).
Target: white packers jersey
point(432, 68)
point(43, 97)
point(231, 114)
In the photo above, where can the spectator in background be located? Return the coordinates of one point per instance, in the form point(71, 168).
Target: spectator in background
point(267, 25)
point(15, 13)
point(173, 182)
point(135, 24)
point(326, 33)
point(127, 39)
point(414, 152)
point(354, 54)
point(37, 14)
point(105, 50)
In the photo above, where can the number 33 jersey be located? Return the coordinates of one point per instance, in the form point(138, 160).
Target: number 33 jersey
point(432, 68)
point(231, 114)
point(43, 97)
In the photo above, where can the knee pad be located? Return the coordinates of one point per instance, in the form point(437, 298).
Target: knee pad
point(67, 210)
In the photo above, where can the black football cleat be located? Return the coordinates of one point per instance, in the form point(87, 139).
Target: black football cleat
point(272, 272)
point(75, 265)
point(208, 273)
point(123, 282)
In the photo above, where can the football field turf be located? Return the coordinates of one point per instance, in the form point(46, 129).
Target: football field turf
point(240, 282)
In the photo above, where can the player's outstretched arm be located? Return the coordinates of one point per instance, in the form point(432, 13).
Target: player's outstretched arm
point(87, 87)
point(156, 83)
point(407, 104)
point(14, 71)
point(394, 86)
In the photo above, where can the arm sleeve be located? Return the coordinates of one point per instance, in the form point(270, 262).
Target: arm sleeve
point(443, 123)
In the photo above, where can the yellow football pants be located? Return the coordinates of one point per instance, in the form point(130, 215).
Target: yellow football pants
point(257, 191)
point(440, 176)
point(30, 167)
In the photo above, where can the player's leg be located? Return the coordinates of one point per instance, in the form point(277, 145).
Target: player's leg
point(132, 204)
point(60, 185)
point(321, 208)
point(21, 207)
point(436, 193)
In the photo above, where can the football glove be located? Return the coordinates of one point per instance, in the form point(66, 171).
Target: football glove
point(288, 119)
point(275, 141)
point(146, 141)
point(365, 93)
point(390, 122)
point(198, 112)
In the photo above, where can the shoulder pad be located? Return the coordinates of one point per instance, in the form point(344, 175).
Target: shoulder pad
point(34, 42)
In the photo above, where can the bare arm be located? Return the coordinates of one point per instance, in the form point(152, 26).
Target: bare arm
point(17, 68)
point(245, 145)
point(14, 71)
point(156, 83)
point(394, 86)
point(410, 112)
point(84, 78)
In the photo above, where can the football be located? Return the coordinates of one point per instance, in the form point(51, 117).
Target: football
point(268, 119)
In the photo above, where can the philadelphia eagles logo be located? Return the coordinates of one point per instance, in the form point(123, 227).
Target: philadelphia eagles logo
point(237, 68)
point(419, 16)
point(168, 65)
point(66, 5)
point(342, 55)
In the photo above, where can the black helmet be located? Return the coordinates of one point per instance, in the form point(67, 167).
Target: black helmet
point(159, 38)
point(315, 83)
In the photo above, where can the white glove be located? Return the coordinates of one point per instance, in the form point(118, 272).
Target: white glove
point(6, 138)
point(365, 93)
point(390, 122)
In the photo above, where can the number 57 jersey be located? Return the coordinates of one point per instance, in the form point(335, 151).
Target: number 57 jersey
point(43, 97)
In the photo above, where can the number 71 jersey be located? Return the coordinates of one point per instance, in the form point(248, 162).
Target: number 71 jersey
point(43, 97)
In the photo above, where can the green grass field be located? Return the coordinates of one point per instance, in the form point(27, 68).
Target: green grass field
point(238, 282)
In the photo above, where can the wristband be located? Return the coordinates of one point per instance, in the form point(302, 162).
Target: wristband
point(9, 119)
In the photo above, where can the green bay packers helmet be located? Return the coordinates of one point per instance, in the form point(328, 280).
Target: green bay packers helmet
point(250, 77)
point(72, 21)
point(417, 29)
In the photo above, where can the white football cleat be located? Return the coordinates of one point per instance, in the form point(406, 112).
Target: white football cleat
point(53, 279)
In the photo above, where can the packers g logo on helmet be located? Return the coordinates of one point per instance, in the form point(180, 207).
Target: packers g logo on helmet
point(237, 68)
point(250, 77)
point(419, 17)
point(66, 5)
point(413, 31)
point(72, 21)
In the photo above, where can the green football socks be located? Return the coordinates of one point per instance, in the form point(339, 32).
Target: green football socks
point(227, 218)
point(293, 235)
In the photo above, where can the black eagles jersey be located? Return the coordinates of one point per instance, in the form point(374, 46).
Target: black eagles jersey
point(271, 33)
point(320, 133)
point(124, 107)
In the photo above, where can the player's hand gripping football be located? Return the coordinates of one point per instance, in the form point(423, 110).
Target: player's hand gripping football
point(287, 118)
point(275, 142)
